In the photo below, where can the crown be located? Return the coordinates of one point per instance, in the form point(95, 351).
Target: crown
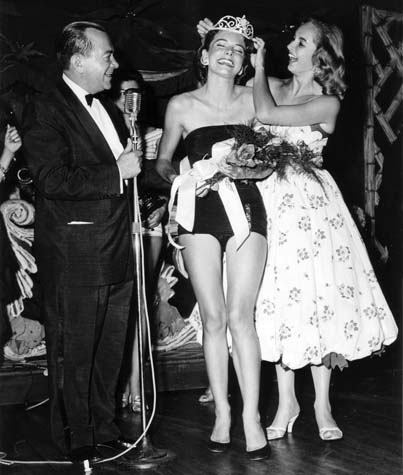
point(236, 24)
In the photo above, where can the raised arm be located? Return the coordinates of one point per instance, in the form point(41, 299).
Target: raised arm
point(173, 129)
point(12, 143)
point(203, 27)
point(322, 109)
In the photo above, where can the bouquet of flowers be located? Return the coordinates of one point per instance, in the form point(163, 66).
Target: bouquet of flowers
point(254, 154)
point(250, 154)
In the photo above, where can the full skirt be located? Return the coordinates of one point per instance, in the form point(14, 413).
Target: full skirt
point(319, 295)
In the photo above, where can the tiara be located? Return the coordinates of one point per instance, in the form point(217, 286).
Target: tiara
point(236, 24)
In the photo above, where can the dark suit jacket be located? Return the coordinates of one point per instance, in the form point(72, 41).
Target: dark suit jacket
point(77, 180)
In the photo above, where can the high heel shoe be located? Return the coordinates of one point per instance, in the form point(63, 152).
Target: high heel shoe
point(259, 454)
point(206, 397)
point(123, 400)
point(330, 433)
point(217, 447)
point(274, 433)
point(135, 404)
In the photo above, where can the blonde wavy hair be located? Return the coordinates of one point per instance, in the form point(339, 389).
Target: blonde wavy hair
point(328, 59)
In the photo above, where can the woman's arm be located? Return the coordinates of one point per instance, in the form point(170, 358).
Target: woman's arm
point(12, 143)
point(323, 109)
point(173, 130)
point(203, 27)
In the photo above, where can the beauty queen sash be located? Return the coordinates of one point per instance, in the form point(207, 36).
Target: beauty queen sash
point(184, 188)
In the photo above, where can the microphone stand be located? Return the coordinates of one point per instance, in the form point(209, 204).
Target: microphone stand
point(147, 456)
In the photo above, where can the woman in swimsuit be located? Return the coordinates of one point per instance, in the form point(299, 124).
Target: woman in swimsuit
point(203, 117)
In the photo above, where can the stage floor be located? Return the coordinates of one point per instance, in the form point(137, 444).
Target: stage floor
point(26, 382)
point(366, 404)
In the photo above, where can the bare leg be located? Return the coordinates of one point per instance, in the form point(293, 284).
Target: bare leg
point(323, 411)
point(152, 250)
point(244, 271)
point(203, 261)
point(288, 406)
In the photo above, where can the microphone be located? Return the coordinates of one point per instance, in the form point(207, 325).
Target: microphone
point(132, 108)
point(132, 102)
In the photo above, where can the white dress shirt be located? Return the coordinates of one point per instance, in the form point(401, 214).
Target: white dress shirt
point(101, 118)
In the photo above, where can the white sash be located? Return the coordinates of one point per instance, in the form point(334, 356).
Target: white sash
point(184, 186)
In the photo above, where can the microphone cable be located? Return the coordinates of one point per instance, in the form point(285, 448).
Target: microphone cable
point(132, 105)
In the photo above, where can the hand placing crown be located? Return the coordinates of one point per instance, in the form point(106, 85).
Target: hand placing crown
point(230, 23)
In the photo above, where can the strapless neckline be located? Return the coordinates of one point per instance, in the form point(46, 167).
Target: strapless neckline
point(208, 127)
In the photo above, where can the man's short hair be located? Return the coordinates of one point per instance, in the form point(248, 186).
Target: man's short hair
point(73, 40)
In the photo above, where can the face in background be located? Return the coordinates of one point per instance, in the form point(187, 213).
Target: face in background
point(124, 86)
point(301, 49)
point(226, 53)
point(97, 67)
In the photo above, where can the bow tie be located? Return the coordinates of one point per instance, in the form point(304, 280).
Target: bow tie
point(90, 97)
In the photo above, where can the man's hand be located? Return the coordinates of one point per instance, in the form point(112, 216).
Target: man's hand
point(129, 162)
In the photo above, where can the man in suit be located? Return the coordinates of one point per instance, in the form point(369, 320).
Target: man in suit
point(79, 157)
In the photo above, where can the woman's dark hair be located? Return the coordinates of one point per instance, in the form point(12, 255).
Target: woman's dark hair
point(328, 59)
point(149, 107)
point(201, 69)
point(121, 75)
point(73, 40)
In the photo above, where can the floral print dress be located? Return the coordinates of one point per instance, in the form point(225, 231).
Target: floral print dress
point(319, 296)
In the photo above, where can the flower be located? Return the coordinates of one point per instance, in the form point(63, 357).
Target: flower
point(303, 134)
point(254, 154)
point(243, 156)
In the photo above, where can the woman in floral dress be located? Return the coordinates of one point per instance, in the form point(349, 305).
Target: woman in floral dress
point(320, 303)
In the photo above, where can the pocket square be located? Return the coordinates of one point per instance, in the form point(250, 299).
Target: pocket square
point(81, 222)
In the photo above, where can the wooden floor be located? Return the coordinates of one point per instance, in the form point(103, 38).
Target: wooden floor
point(366, 404)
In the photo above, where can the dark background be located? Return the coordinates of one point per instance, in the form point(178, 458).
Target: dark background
point(160, 35)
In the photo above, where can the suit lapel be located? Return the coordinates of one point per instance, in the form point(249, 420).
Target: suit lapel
point(116, 119)
point(88, 124)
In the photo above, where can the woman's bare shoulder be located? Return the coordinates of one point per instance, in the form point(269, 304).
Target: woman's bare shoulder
point(270, 79)
point(181, 104)
point(243, 90)
point(329, 102)
point(182, 100)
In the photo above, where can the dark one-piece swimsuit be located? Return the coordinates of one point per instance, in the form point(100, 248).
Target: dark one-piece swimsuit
point(210, 215)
